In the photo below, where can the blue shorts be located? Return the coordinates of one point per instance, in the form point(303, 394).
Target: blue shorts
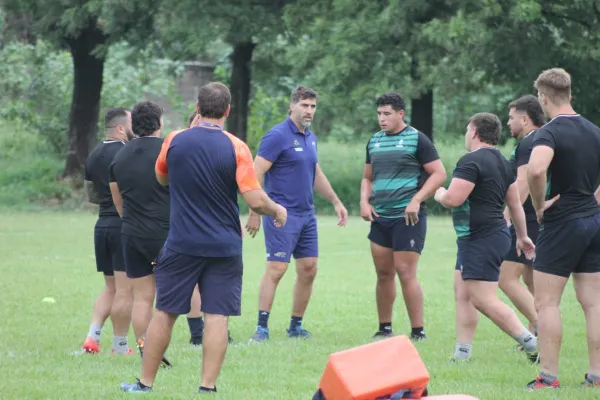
point(298, 238)
point(219, 280)
point(571, 247)
point(479, 259)
point(393, 233)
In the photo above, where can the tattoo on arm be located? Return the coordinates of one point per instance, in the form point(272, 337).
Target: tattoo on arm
point(92, 195)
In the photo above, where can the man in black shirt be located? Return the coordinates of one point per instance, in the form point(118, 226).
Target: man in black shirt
point(483, 181)
point(115, 299)
point(524, 118)
point(564, 167)
point(144, 208)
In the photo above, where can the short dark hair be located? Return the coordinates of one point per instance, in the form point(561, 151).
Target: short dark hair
point(191, 119)
point(113, 114)
point(303, 93)
point(531, 106)
point(145, 118)
point(391, 99)
point(213, 99)
point(488, 127)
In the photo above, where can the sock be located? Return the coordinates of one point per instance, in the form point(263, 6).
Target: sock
point(535, 331)
point(385, 327)
point(205, 389)
point(120, 345)
point(528, 341)
point(196, 326)
point(593, 378)
point(418, 331)
point(548, 378)
point(94, 332)
point(294, 322)
point(462, 351)
point(263, 319)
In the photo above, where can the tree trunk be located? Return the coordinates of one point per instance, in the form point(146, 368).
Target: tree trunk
point(241, 59)
point(421, 115)
point(85, 103)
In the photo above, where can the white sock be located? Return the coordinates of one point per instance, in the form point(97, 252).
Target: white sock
point(94, 332)
point(120, 345)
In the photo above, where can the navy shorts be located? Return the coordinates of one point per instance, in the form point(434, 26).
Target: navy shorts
point(298, 238)
point(140, 254)
point(393, 233)
point(108, 249)
point(219, 280)
point(571, 247)
point(479, 259)
point(533, 229)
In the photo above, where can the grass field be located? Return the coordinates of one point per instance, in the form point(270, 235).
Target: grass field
point(51, 255)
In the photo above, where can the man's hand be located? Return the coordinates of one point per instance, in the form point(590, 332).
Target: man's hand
point(367, 212)
point(342, 213)
point(411, 213)
point(280, 216)
point(547, 205)
point(526, 246)
point(439, 193)
point(253, 224)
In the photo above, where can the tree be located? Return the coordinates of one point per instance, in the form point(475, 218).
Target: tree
point(86, 28)
point(188, 28)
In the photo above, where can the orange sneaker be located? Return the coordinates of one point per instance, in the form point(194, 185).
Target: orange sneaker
point(129, 352)
point(91, 346)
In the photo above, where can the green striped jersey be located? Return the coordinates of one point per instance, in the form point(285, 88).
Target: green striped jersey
point(397, 161)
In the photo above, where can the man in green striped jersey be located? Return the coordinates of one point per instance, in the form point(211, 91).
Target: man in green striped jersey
point(402, 170)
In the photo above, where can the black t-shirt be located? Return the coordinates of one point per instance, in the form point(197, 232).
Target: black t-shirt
point(145, 201)
point(96, 171)
point(520, 157)
point(573, 171)
point(483, 211)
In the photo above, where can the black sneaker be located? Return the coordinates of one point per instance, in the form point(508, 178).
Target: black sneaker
point(197, 340)
point(383, 334)
point(137, 387)
point(418, 336)
point(202, 389)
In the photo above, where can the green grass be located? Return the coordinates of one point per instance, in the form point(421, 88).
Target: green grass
point(51, 255)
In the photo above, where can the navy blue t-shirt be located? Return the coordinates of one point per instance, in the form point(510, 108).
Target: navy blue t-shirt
point(206, 169)
point(291, 178)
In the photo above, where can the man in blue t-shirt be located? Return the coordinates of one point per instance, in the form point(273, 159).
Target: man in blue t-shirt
point(287, 159)
point(205, 168)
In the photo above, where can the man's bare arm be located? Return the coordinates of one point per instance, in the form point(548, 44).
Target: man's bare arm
point(117, 198)
point(261, 166)
point(91, 192)
point(323, 187)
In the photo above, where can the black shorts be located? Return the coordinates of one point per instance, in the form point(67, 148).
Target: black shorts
point(393, 233)
point(479, 259)
point(571, 247)
point(219, 280)
point(108, 249)
point(140, 254)
point(533, 229)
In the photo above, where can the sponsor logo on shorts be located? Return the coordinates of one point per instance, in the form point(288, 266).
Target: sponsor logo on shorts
point(279, 254)
point(412, 242)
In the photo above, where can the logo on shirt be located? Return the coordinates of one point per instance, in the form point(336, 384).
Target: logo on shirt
point(313, 143)
point(296, 143)
point(400, 143)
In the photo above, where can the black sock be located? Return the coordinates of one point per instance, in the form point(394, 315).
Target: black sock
point(385, 327)
point(196, 326)
point(294, 322)
point(263, 319)
point(205, 389)
point(418, 331)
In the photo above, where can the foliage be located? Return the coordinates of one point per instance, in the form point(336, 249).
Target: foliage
point(37, 81)
point(266, 111)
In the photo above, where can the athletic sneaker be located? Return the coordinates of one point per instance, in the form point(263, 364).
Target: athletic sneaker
point(90, 346)
point(260, 334)
point(533, 357)
point(129, 352)
point(540, 383)
point(197, 340)
point(164, 363)
point(418, 336)
point(136, 387)
point(298, 332)
point(383, 334)
point(590, 383)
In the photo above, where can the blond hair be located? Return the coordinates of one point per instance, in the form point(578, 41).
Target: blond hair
point(554, 83)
